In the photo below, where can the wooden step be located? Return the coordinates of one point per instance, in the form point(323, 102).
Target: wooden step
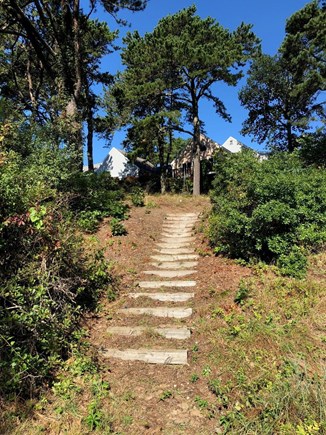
point(177, 257)
point(176, 265)
point(173, 244)
point(173, 251)
point(178, 237)
point(194, 215)
point(170, 332)
point(175, 313)
point(170, 273)
point(173, 356)
point(159, 284)
point(164, 297)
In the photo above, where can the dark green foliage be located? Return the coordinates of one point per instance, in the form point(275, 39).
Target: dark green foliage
point(47, 279)
point(138, 197)
point(89, 221)
point(283, 93)
point(273, 210)
point(278, 112)
point(92, 191)
point(242, 293)
point(313, 148)
point(117, 227)
point(191, 54)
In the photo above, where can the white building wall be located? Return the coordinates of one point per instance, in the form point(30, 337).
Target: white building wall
point(118, 165)
point(232, 144)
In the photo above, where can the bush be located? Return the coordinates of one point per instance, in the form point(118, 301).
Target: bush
point(47, 278)
point(273, 210)
point(89, 221)
point(138, 197)
point(117, 228)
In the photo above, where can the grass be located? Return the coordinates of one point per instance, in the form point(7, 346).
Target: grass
point(266, 345)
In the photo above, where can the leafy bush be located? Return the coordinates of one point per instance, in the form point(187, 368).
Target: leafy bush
point(117, 228)
point(94, 196)
point(138, 197)
point(47, 279)
point(273, 210)
point(89, 221)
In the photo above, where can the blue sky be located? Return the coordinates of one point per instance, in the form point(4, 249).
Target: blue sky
point(268, 20)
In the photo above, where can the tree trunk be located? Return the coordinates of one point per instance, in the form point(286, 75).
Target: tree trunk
point(161, 144)
point(289, 135)
point(163, 182)
point(196, 157)
point(90, 133)
point(196, 142)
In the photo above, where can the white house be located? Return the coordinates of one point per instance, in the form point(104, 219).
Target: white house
point(234, 146)
point(118, 164)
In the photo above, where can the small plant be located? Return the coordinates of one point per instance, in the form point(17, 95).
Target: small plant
point(151, 204)
point(117, 228)
point(194, 378)
point(242, 293)
point(201, 403)
point(89, 221)
point(138, 197)
point(167, 394)
point(94, 418)
point(206, 371)
point(195, 347)
point(127, 420)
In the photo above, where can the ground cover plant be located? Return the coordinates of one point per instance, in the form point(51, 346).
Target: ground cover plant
point(273, 210)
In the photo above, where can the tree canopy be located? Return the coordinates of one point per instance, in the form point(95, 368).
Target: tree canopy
point(52, 51)
point(191, 54)
point(283, 93)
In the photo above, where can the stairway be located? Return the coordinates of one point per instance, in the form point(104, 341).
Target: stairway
point(173, 261)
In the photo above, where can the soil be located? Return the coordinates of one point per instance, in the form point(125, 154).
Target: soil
point(148, 398)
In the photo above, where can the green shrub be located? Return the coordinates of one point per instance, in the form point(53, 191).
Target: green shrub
point(47, 278)
point(273, 210)
point(117, 228)
point(138, 197)
point(89, 221)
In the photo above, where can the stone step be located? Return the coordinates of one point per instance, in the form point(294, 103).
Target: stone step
point(164, 331)
point(173, 356)
point(175, 265)
point(164, 297)
point(175, 313)
point(169, 273)
point(177, 257)
point(174, 251)
point(159, 284)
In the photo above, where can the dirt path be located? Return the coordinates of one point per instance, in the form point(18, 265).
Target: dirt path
point(151, 398)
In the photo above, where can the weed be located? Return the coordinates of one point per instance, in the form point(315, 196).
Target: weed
point(242, 293)
point(127, 420)
point(194, 378)
point(206, 371)
point(117, 228)
point(167, 394)
point(94, 418)
point(195, 347)
point(201, 403)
